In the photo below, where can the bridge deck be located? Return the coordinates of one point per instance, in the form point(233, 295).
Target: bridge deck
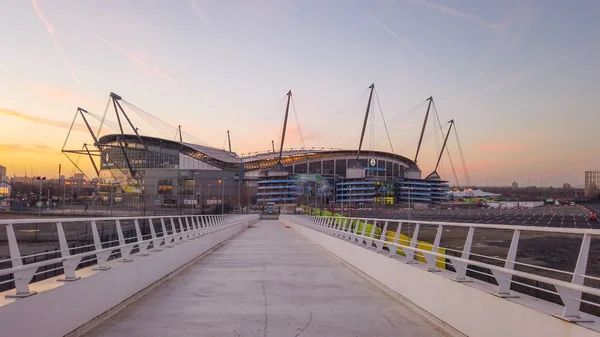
point(268, 281)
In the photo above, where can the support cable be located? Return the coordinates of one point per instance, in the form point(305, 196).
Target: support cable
point(344, 112)
point(384, 124)
point(298, 123)
point(468, 179)
point(447, 150)
point(103, 117)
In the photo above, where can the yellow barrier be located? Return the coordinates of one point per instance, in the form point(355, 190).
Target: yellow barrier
point(403, 240)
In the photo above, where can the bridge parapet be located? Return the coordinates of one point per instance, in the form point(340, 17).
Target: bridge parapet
point(400, 261)
point(124, 256)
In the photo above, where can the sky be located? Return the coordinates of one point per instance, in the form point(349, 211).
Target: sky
point(521, 79)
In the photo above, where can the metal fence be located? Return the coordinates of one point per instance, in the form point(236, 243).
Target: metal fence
point(513, 262)
point(42, 248)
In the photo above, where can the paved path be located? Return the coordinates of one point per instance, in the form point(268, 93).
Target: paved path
point(268, 281)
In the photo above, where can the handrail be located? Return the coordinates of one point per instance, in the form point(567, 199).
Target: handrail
point(481, 225)
point(182, 229)
point(569, 292)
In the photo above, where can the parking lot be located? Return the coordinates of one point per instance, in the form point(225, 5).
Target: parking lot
point(544, 216)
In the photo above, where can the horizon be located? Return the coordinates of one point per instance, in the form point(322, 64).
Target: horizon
point(519, 78)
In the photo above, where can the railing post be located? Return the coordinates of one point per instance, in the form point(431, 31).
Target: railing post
point(168, 238)
point(571, 298)
point(69, 263)
point(155, 240)
point(364, 229)
point(22, 277)
point(177, 236)
point(142, 244)
point(410, 254)
point(394, 247)
point(190, 228)
point(504, 279)
point(431, 258)
point(338, 223)
point(382, 237)
point(372, 235)
point(184, 233)
point(355, 237)
point(203, 224)
point(125, 250)
point(101, 256)
point(459, 266)
point(344, 227)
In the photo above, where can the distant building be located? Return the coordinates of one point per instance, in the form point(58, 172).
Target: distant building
point(592, 179)
point(515, 185)
point(566, 186)
point(5, 188)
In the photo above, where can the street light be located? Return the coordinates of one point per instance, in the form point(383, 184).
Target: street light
point(222, 193)
point(41, 179)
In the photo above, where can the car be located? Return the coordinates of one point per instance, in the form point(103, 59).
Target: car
point(572, 203)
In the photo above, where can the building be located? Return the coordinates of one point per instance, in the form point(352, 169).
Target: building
point(592, 180)
point(160, 171)
point(515, 185)
point(566, 186)
point(151, 170)
point(5, 188)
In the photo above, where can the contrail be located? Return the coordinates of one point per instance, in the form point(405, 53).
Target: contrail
point(540, 66)
point(138, 61)
point(198, 12)
point(50, 30)
point(50, 122)
point(454, 12)
point(408, 44)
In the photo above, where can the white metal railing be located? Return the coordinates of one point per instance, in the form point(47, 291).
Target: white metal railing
point(569, 292)
point(160, 232)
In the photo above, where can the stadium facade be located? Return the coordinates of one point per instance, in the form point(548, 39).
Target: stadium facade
point(151, 170)
point(166, 172)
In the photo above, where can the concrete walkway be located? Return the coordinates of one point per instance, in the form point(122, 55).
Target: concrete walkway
point(268, 281)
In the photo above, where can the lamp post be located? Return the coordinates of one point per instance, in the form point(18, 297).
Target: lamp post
point(41, 179)
point(222, 185)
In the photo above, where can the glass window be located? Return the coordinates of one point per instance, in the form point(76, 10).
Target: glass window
point(340, 166)
point(315, 167)
point(327, 167)
point(300, 168)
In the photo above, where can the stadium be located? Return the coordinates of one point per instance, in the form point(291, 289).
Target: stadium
point(132, 167)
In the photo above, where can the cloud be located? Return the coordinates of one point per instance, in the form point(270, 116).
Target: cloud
point(503, 147)
point(456, 13)
point(68, 95)
point(50, 30)
point(50, 122)
point(140, 62)
point(35, 148)
point(408, 44)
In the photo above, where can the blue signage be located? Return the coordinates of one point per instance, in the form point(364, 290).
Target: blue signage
point(378, 169)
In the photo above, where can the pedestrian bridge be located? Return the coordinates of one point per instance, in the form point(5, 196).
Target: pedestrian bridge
point(297, 276)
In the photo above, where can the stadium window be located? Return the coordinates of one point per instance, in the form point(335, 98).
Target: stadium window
point(340, 166)
point(327, 167)
point(315, 167)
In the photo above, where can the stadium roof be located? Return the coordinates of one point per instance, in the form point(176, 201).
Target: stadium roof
point(229, 160)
